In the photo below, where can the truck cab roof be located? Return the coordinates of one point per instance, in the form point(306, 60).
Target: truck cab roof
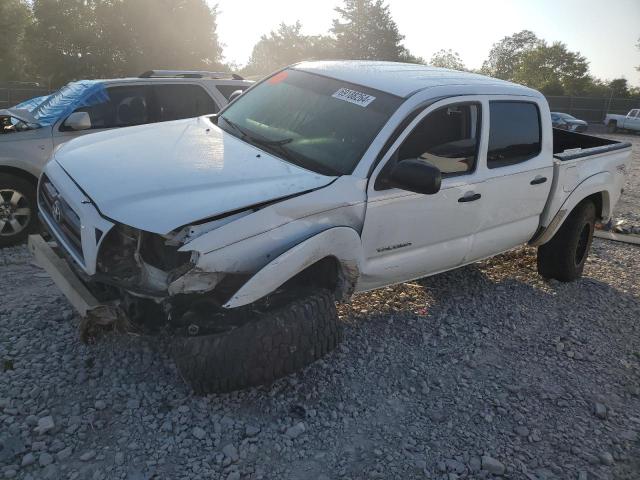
point(406, 79)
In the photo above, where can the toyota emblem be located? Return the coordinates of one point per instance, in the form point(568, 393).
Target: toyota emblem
point(56, 211)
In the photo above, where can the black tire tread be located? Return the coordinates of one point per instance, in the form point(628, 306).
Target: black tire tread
point(556, 257)
point(272, 345)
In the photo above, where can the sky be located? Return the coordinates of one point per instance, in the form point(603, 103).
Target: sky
point(604, 31)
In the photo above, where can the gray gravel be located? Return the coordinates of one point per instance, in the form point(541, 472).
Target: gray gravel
point(628, 208)
point(481, 372)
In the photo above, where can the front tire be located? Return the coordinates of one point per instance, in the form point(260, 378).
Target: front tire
point(267, 347)
point(18, 211)
point(564, 256)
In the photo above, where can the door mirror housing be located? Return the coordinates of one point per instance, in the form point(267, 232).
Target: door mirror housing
point(416, 175)
point(78, 121)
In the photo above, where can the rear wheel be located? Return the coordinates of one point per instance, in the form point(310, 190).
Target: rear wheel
point(18, 215)
point(612, 127)
point(565, 255)
point(268, 346)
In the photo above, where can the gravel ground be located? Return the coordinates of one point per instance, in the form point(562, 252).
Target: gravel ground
point(628, 208)
point(483, 371)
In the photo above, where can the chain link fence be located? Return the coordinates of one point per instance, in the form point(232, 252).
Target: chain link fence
point(10, 96)
point(592, 109)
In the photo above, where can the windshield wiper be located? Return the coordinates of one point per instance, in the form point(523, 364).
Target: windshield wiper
point(277, 147)
point(235, 126)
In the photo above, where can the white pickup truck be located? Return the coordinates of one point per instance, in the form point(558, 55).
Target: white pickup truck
point(630, 121)
point(236, 232)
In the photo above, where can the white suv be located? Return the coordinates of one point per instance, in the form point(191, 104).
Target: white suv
point(30, 132)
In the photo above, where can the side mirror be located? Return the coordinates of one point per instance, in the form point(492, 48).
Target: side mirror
point(416, 175)
point(234, 95)
point(78, 121)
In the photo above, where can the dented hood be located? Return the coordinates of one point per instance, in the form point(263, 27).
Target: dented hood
point(162, 176)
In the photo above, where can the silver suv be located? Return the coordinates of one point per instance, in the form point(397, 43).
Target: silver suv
point(30, 131)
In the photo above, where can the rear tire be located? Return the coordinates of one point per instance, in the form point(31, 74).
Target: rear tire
point(267, 347)
point(18, 210)
point(612, 127)
point(564, 256)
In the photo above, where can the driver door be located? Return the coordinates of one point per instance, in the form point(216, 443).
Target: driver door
point(408, 235)
point(128, 105)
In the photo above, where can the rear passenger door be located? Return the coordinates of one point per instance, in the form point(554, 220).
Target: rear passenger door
point(177, 101)
point(518, 174)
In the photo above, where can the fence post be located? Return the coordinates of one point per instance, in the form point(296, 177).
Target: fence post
point(9, 104)
point(571, 105)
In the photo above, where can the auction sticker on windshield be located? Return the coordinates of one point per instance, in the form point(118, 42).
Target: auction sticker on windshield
point(353, 96)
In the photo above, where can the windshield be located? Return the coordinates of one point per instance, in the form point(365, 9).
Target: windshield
point(70, 97)
point(319, 123)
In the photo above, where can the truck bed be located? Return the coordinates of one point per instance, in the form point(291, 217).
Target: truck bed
point(571, 146)
point(578, 157)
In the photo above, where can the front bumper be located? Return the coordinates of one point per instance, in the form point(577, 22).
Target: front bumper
point(69, 283)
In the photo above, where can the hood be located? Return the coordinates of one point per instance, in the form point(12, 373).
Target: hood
point(162, 176)
point(20, 114)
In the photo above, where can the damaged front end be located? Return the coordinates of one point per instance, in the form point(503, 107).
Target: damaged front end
point(152, 281)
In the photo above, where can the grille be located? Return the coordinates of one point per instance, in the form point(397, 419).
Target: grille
point(61, 215)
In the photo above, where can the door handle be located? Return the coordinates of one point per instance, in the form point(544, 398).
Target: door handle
point(469, 198)
point(538, 180)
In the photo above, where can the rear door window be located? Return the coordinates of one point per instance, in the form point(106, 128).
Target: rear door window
point(175, 102)
point(514, 133)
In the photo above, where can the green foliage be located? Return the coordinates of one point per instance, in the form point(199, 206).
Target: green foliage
point(366, 31)
point(285, 46)
point(526, 59)
point(72, 39)
point(619, 88)
point(552, 68)
point(15, 17)
point(447, 59)
point(505, 57)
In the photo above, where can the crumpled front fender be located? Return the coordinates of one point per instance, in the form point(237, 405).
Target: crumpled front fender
point(342, 243)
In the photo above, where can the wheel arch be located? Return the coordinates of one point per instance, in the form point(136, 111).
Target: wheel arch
point(19, 172)
point(330, 259)
point(592, 189)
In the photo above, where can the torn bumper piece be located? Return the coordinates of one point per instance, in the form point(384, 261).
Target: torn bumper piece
point(69, 283)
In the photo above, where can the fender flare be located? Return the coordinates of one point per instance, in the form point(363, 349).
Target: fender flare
point(597, 183)
point(342, 243)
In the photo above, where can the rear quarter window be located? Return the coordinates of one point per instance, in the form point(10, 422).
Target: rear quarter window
point(514, 133)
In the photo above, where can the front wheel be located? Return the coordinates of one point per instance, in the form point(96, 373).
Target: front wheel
point(266, 347)
point(563, 257)
point(18, 216)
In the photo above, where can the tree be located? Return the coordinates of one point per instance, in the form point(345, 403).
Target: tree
point(366, 31)
point(15, 17)
point(285, 46)
point(447, 59)
point(73, 39)
point(163, 34)
point(619, 88)
point(552, 68)
point(505, 56)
